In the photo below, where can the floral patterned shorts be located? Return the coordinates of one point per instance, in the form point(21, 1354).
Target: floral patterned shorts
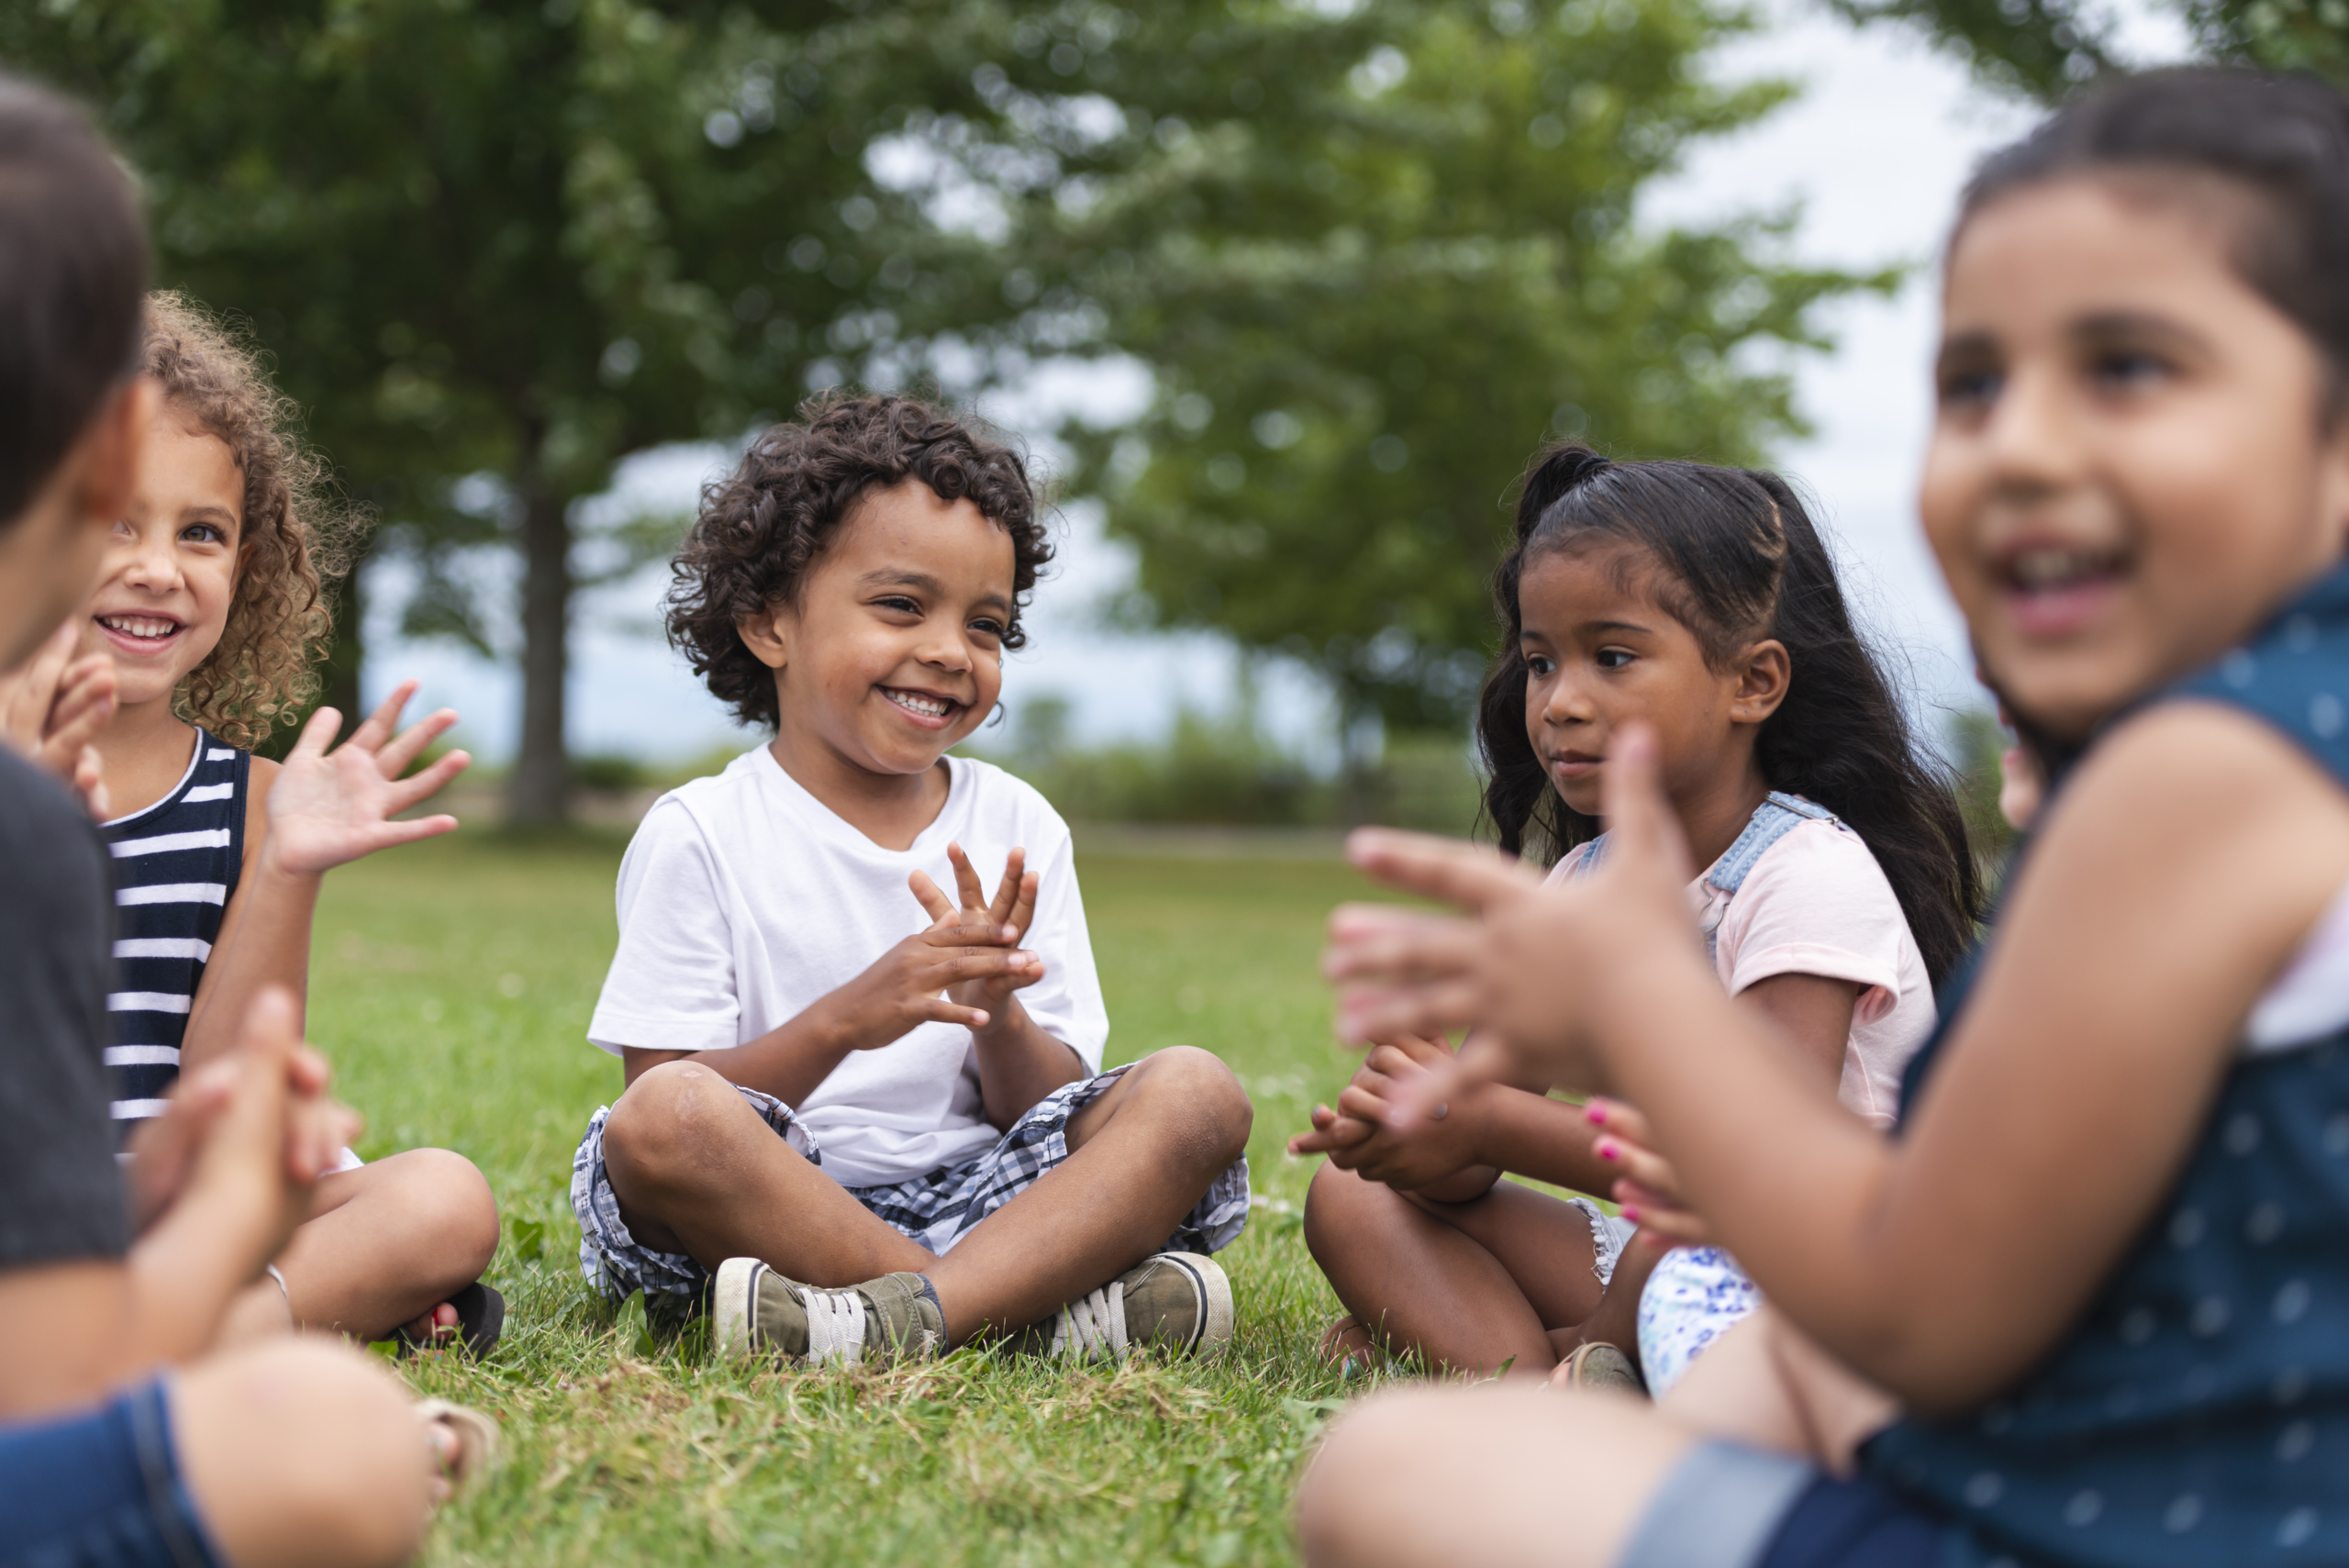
point(1696, 1295)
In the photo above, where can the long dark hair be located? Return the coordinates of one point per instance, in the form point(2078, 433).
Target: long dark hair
point(1738, 560)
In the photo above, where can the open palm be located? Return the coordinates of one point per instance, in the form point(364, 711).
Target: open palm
point(329, 807)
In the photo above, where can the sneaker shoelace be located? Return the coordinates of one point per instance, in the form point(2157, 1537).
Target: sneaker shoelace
point(835, 1327)
point(1093, 1327)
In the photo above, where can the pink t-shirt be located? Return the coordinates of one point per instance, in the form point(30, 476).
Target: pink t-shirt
point(1816, 902)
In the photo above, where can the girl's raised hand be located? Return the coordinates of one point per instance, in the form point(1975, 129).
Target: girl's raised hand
point(51, 708)
point(1649, 1188)
point(328, 808)
point(1547, 975)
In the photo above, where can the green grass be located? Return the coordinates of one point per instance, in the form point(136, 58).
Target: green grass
point(452, 985)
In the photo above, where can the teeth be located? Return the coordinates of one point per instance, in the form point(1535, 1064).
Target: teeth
point(140, 626)
point(2045, 568)
point(914, 702)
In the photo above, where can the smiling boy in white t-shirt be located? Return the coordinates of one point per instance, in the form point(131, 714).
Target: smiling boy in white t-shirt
point(876, 1114)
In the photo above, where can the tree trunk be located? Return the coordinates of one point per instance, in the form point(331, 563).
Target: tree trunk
point(540, 793)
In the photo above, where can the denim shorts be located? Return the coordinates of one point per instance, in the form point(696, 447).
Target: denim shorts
point(1727, 1506)
point(99, 1489)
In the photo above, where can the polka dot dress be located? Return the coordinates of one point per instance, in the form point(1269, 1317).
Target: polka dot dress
point(2200, 1411)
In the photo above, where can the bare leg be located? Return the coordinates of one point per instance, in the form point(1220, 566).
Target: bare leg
point(1470, 1285)
point(1141, 1156)
point(383, 1246)
point(299, 1454)
point(698, 1171)
point(1615, 1320)
point(1479, 1475)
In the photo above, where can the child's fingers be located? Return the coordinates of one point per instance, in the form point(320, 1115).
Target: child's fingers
point(1480, 1060)
point(1660, 1215)
point(1367, 1013)
point(1362, 1105)
point(378, 725)
point(1023, 907)
point(408, 745)
point(1644, 835)
point(1464, 875)
point(1644, 1166)
point(1006, 892)
point(317, 734)
point(966, 880)
point(391, 835)
point(934, 904)
point(1399, 946)
point(405, 793)
point(983, 964)
point(938, 1010)
point(1618, 1116)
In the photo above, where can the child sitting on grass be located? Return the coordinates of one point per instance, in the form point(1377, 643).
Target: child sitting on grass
point(876, 1114)
point(1839, 888)
point(126, 1436)
point(211, 605)
point(2104, 1267)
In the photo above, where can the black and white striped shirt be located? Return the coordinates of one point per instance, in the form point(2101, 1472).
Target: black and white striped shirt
point(175, 868)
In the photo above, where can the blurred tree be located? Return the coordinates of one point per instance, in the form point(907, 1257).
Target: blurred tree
point(494, 246)
point(1374, 254)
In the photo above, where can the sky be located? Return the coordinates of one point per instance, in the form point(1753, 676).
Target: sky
point(1873, 150)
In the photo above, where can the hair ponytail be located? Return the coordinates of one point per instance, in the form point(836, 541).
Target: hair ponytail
point(1739, 560)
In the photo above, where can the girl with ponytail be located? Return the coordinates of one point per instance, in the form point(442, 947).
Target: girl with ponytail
point(1840, 889)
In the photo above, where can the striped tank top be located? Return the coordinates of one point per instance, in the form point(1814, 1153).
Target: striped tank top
point(175, 868)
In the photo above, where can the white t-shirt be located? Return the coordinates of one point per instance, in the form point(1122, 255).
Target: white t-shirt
point(744, 899)
point(1817, 903)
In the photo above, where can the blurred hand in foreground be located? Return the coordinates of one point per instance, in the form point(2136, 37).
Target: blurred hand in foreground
point(1547, 976)
point(51, 708)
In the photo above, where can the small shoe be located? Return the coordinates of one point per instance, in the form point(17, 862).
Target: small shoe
point(1348, 1345)
point(1177, 1300)
point(757, 1311)
point(467, 1448)
point(481, 1322)
point(1601, 1366)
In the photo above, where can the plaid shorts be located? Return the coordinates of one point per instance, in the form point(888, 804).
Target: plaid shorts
point(937, 1210)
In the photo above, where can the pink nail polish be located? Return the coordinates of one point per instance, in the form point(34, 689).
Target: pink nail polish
point(1596, 1113)
point(1607, 1149)
point(1629, 1213)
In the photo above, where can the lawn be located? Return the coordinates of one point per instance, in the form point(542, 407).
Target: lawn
point(452, 984)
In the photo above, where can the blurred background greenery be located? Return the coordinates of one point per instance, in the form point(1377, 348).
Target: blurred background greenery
point(1371, 254)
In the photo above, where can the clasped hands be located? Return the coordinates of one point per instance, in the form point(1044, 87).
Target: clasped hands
point(1552, 979)
point(965, 968)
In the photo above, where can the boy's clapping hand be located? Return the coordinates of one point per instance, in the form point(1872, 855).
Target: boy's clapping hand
point(329, 808)
point(1006, 916)
point(963, 969)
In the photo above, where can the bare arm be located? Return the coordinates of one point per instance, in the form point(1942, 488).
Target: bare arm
point(2174, 879)
point(319, 810)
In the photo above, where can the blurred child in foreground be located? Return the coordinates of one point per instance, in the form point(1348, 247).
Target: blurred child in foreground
point(2104, 1266)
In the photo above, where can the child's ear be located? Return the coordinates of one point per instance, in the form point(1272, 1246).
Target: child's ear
point(1763, 672)
point(768, 635)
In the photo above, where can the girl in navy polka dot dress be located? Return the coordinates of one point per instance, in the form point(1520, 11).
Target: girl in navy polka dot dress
point(2101, 1272)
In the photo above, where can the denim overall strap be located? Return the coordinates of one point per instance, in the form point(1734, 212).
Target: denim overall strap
point(1778, 814)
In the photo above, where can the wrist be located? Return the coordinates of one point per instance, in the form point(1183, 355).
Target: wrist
point(270, 867)
point(1007, 1021)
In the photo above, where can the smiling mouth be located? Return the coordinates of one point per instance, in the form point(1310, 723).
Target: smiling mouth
point(2056, 588)
point(141, 628)
point(922, 704)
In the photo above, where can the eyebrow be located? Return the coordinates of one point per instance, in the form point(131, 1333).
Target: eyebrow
point(905, 577)
point(2111, 325)
point(1591, 626)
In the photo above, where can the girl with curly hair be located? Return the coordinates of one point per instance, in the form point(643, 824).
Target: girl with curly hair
point(212, 604)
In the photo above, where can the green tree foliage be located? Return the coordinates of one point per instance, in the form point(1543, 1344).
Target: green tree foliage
point(1375, 255)
point(520, 241)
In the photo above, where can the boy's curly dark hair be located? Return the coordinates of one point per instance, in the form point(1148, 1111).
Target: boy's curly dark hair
point(295, 542)
point(763, 526)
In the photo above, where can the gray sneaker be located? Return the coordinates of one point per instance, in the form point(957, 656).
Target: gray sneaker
point(1179, 1301)
point(757, 1311)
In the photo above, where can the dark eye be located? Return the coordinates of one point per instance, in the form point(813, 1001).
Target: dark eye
point(1970, 388)
point(204, 533)
point(1613, 658)
point(900, 603)
point(1538, 664)
point(2128, 370)
point(987, 626)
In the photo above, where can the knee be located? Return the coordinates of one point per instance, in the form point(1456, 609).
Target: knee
point(1351, 1482)
point(1332, 1202)
point(303, 1451)
point(668, 1120)
point(447, 1200)
point(1215, 1109)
